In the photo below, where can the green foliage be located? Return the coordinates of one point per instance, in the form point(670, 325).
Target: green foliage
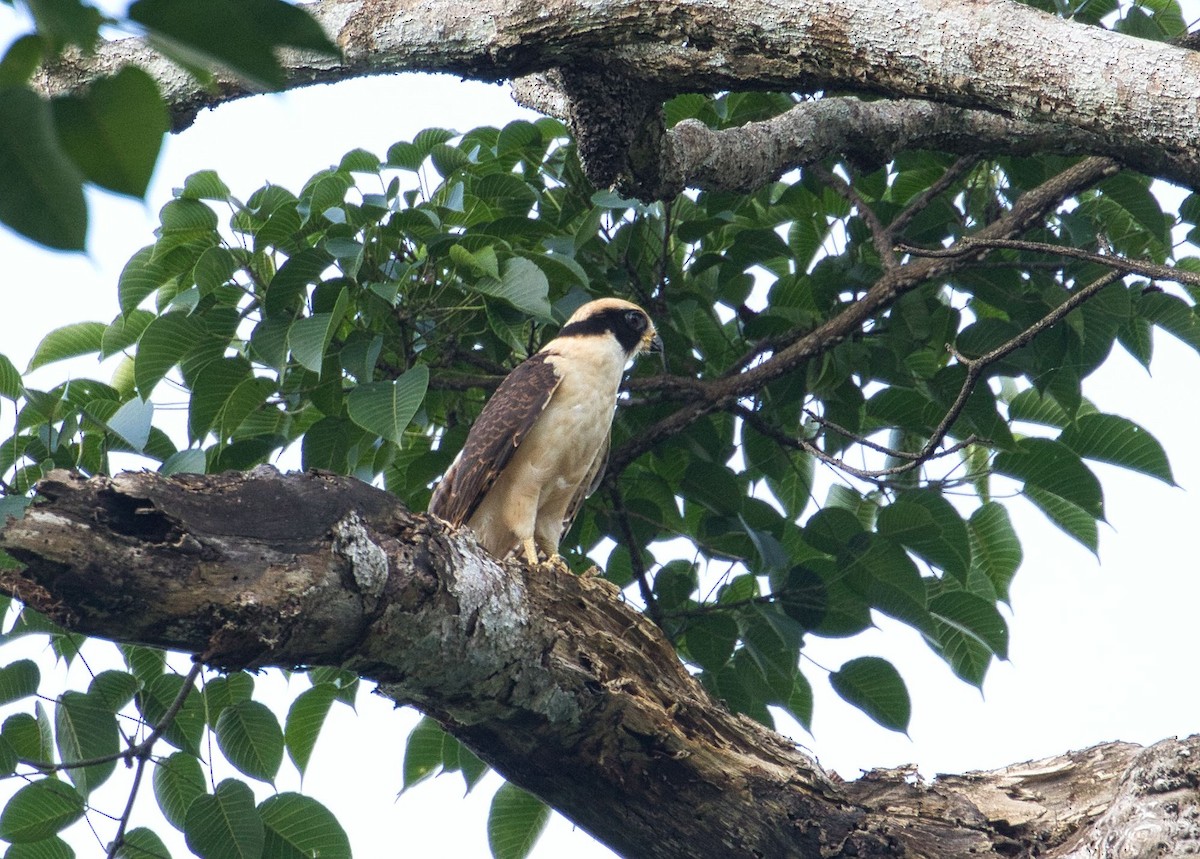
point(108, 133)
point(360, 320)
point(515, 822)
point(431, 751)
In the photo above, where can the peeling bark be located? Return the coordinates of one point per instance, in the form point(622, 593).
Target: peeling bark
point(549, 677)
point(1047, 83)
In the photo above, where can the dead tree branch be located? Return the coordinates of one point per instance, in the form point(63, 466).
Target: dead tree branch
point(548, 676)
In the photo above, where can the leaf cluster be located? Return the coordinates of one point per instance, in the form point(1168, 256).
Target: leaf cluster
point(149, 716)
point(108, 133)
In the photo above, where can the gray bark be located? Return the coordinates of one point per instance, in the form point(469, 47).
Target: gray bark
point(1038, 82)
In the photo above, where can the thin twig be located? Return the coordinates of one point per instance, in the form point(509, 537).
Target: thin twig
point(142, 752)
point(881, 236)
point(137, 751)
point(917, 204)
point(976, 366)
point(636, 561)
point(1122, 264)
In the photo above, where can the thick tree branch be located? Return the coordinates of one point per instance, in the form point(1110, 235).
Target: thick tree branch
point(1097, 91)
point(870, 134)
point(550, 677)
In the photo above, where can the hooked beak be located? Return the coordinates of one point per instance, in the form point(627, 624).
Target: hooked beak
point(654, 344)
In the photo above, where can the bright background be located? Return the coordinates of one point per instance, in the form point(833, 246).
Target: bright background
point(1098, 651)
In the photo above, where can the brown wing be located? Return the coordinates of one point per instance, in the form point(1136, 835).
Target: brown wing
point(495, 436)
point(589, 485)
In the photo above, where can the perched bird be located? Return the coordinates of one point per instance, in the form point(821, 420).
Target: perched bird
point(540, 445)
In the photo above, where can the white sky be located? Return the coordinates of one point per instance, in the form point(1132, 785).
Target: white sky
point(1100, 651)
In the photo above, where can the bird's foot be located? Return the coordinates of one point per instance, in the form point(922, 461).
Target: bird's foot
point(554, 564)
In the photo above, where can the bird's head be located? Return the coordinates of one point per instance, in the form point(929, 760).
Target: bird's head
point(624, 320)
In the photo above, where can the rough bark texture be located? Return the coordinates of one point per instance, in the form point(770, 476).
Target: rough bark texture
point(1039, 81)
point(550, 677)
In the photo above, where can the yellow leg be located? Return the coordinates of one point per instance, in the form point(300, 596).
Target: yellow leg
point(530, 550)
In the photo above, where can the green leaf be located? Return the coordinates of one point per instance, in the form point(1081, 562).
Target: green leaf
point(523, 285)
point(996, 551)
point(927, 524)
point(385, 408)
point(10, 379)
point(515, 822)
point(346, 682)
point(114, 129)
point(710, 640)
point(124, 331)
point(69, 22)
point(21, 59)
point(48, 848)
point(222, 692)
point(800, 702)
point(772, 640)
point(178, 780)
point(132, 422)
point(882, 574)
point(185, 730)
point(1035, 407)
point(113, 689)
point(1118, 440)
point(214, 269)
point(874, 686)
point(304, 720)
point(142, 843)
point(19, 680)
point(27, 738)
point(211, 391)
point(249, 735)
point(424, 752)
point(41, 191)
point(969, 631)
point(40, 809)
point(162, 345)
point(1052, 467)
point(143, 274)
point(225, 825)
point(1071, 518)
point(204, 185)
point(239, 35)
point(70, 341)
point(299, 827)
point(145, 663)
point(85, 727)
point(185, 462)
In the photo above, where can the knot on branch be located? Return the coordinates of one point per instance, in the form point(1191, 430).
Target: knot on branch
point(618, 125)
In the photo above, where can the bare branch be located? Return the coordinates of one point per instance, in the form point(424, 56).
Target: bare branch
point(636, 558)
point(881, 236)
point(971, 244)
point(566, 690)
point(939, 186)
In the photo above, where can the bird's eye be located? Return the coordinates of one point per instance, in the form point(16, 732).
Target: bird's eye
point(636, 320)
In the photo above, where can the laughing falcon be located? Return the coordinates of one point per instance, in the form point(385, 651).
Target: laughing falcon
point(540, 445)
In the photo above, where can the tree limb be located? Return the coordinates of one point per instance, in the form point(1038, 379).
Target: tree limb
point(1036, 81)
point(548, 676)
